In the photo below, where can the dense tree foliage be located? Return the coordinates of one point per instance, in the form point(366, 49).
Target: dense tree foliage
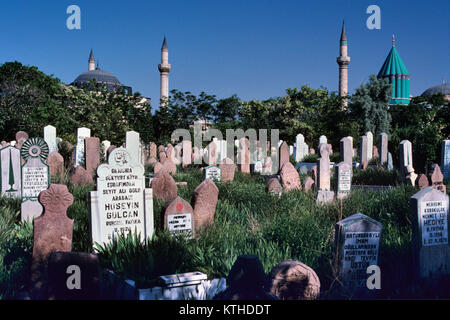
point(30, 100)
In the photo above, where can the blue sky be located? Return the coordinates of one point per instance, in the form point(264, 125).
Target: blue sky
point(254, 48)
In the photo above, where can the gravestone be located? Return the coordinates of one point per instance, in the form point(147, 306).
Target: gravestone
point(267, 166)
point(437, 178)
point(162, 157)
point(132, 141)
point(64, 267)
point(178, 217)
point(390, 163)
point(346, 150)
point(290, 179)
point(157, 167)
point(445, 158)
point(92, 154)
point(196, 155)
point(52, 232)
point(56, 164)
point(170, 166)
point(228, 168)
point(244, 155)
point(383, 149)
point(293, 280)
point(343, 175)
point(375, 153)
point(369, 136)
point(35, 177)
point(284, 154)
point(81, 177)
point(312, 151)
point(21, 137)
point(213, 173)
point(422, 181)
point(187, 153)
point(322, 139)
point(363, 152)
point(405, 158)
point(50, 138)
point(301, 148)
point(105, 146)
point(323, 169)
point(121, 203)
point(274, 187)
point(164, 186)
point(308, 184)
point(206, 196)
point(82, 133)
point(357, 241)
point(430, 225)
point(177, 157)
point(11, 178)
point(153, 150)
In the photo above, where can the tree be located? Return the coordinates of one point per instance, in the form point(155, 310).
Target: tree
point(370, 104)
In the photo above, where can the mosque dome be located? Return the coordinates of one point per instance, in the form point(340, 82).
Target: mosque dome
point(443, 88)
point(99, 75)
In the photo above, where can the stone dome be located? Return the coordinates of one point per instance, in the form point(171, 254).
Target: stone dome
point(443, 88)
point(99, 75)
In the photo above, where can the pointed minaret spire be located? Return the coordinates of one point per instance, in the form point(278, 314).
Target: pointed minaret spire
point(343, 61)
point(164, 45)
point(343, 34)
point(164, 68)
point(91, 61)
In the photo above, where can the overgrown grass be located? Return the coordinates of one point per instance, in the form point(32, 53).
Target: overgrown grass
point(247, 221)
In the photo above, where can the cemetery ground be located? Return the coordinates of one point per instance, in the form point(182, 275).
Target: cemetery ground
point(248, 220)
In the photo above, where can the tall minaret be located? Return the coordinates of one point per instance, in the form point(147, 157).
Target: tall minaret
point(164, 68)
point(91, 61)
point(343, 60)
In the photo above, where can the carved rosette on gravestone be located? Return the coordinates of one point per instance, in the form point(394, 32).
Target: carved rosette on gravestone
point(343, 179)
point(178, 217)
point(212, 172)
point(430, 224)
point(35, 176)
point(11, 178)
point(121, 203)
point(357, 241)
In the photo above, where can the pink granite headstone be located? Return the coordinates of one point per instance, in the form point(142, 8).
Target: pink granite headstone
point(164, 186)
point(228, 169)
point(52, 232)
point(92, 154)
point(205, 202)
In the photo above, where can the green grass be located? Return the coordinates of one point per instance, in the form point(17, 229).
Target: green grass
point(247, 221)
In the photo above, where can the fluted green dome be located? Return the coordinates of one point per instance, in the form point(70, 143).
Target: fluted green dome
point(395, 70)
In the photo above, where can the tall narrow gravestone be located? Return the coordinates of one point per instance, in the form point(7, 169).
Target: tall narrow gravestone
point(445, 159)
point(369, 136)
point(92, 154)
point(346, 150)
point(11, 178)
point(121, 203)
point(383, 149)
point(50, 138)
point(405, 158)
point(132, 142)
point(429, 210)
point(363, 153)
point(82, 133)
point(343, 179)
point(35, 176)
point(357, 242)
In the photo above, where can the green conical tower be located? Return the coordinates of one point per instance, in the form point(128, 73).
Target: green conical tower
point(395, 70)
